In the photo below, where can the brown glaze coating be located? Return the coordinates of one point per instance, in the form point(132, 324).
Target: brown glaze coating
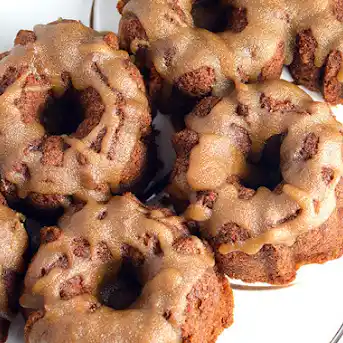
point(200, 46)
point(182, 298)
point(106, 151)
point(228, 143)
point(14, 243)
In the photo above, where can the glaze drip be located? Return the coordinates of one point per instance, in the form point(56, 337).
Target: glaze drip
point(167, 274)
point(263, 34)
point(67, 50)
point(310, 164)
point(14, 242)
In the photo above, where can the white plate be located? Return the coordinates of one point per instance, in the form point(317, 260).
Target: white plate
point(310, 311)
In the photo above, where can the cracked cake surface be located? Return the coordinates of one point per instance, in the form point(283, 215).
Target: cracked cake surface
point(200, 46)
point(79, 111)
point(262, 169)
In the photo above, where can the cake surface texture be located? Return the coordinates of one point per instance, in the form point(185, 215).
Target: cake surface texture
point(262, 170)
point(201, 47)
point(75, 116)
point(122, 272)
point(14, 242)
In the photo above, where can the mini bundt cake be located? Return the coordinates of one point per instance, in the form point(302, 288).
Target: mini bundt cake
point(14, 241)
point(200, 45)
point(262, 169)
point(122, 272)
point(75, 116)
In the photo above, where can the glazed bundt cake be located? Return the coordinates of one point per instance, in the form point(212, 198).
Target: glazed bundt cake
point(75, 116)
point(122, 272)
point(262, 169)
point(198, 46)
point(14, 241)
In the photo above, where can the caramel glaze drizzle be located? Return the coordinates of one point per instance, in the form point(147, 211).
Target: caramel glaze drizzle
point(14, 243)
point(70, 47)
point(271, 24)
point(217, 156)
point(167, 277)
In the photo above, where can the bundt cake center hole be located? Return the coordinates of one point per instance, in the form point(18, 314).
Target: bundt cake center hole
point(62, 115)
point(267, 172)
point(121, 291)
point(210, 15)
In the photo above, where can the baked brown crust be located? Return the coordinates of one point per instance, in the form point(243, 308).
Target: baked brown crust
point(106, 151)
point(278, 264)
point(182, 299)
point(198, 46)
point(266, 233)
point(14, 242)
